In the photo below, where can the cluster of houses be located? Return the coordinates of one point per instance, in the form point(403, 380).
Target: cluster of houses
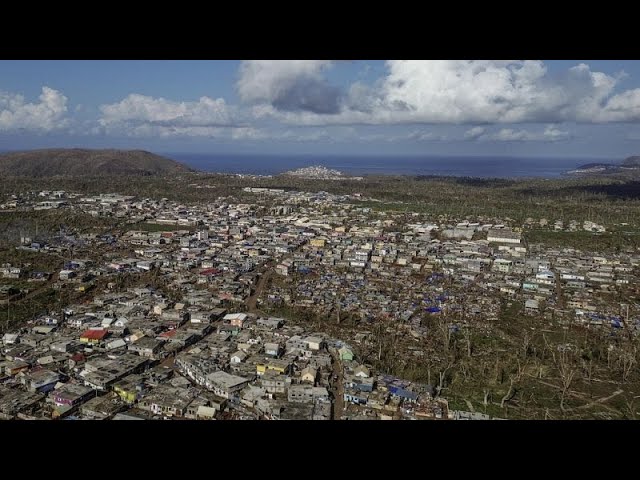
point(137, 356)
point(135, 353)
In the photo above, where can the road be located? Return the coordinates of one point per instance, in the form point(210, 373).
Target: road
point(337, 387)
point(252, 300)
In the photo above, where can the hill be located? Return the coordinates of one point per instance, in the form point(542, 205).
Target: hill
point(594, 168)
point(630, 166)
point(85, 162)
point(631, 162)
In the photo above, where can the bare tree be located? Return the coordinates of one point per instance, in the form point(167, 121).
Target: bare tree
point(627, 360)
point(567, 372)
point(510, 393)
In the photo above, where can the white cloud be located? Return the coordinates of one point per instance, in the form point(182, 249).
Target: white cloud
point(306, 136)
point(549, 134)
point(417, 136)
point(144, 111)
point(555, 134)
point(46, 115)
point(288, 85)
point(443, 92)
point(473, 133)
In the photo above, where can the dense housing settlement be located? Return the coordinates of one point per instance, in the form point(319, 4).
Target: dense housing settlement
point(299, 305)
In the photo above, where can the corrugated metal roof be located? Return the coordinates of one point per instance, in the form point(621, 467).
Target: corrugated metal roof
point(94, 334)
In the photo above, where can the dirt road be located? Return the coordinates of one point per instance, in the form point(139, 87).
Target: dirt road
point(252, 300)
point(337, 387)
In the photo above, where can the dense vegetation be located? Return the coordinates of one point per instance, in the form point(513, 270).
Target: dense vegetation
point(82, 162)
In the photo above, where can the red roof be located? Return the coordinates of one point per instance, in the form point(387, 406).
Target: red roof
point(169, 333)
point(94, 334)
point(210, 271)
point(78, 357)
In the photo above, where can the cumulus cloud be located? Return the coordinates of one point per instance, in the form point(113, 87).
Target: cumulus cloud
point(144, 111)
point(442, 92)
point(417, 136)
point(306, 136)
point(473, 133)
point(549, 134)
point(46, 115)
point(288, 85)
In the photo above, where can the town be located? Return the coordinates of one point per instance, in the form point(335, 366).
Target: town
point(308, 305)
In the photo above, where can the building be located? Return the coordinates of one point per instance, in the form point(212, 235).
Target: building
point(307, 393)
point(224, 384)
point(503, 235)
point(93, 337)
point(531, 307)
point(71, 394)
point(345, 354)
point(308, 375)
point(235, 319)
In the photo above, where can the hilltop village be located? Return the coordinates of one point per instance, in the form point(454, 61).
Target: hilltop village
point(296, 305)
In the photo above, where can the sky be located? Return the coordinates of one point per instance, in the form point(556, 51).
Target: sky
point(546, 108)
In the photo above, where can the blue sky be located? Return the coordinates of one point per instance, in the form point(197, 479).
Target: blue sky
point(573, 108)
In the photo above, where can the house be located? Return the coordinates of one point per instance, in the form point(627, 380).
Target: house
point(71, 394)
point(282, 269)
point(202, 317)
point(238, 357)
point(146, 347)
point(271, 322)
point(251, 395)
point(355, 396)
point(274, 382)
point(41, 380)
point(14, 367)
point(272, 349)
point(14, 402)
point(205, 406)
point(79, 321)
point(10, 338)
point(67, 274)
point(174, 318)
point(360, 384)
point(168, 401)
point(308, 375)
point(106, 322)
point(295, 343)
point(531, 307)
point(102, 408)
point(235, 319)
point(503, 235)
point(224, 384)
point(117, 343)
point(274, 365)
point(130, 388)
point(322, 360)
point(64, 346)
point(93, 337)
point(313, 343)
point(361, 371)
point(403, 394)
point(307, 393)
point(346, 355)
point(377, 399)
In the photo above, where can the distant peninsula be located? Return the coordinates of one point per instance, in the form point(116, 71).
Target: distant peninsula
point(629, 165)
point(87, 162)
point(319, 172)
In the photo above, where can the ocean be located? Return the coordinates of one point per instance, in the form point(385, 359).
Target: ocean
point(487, 167)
